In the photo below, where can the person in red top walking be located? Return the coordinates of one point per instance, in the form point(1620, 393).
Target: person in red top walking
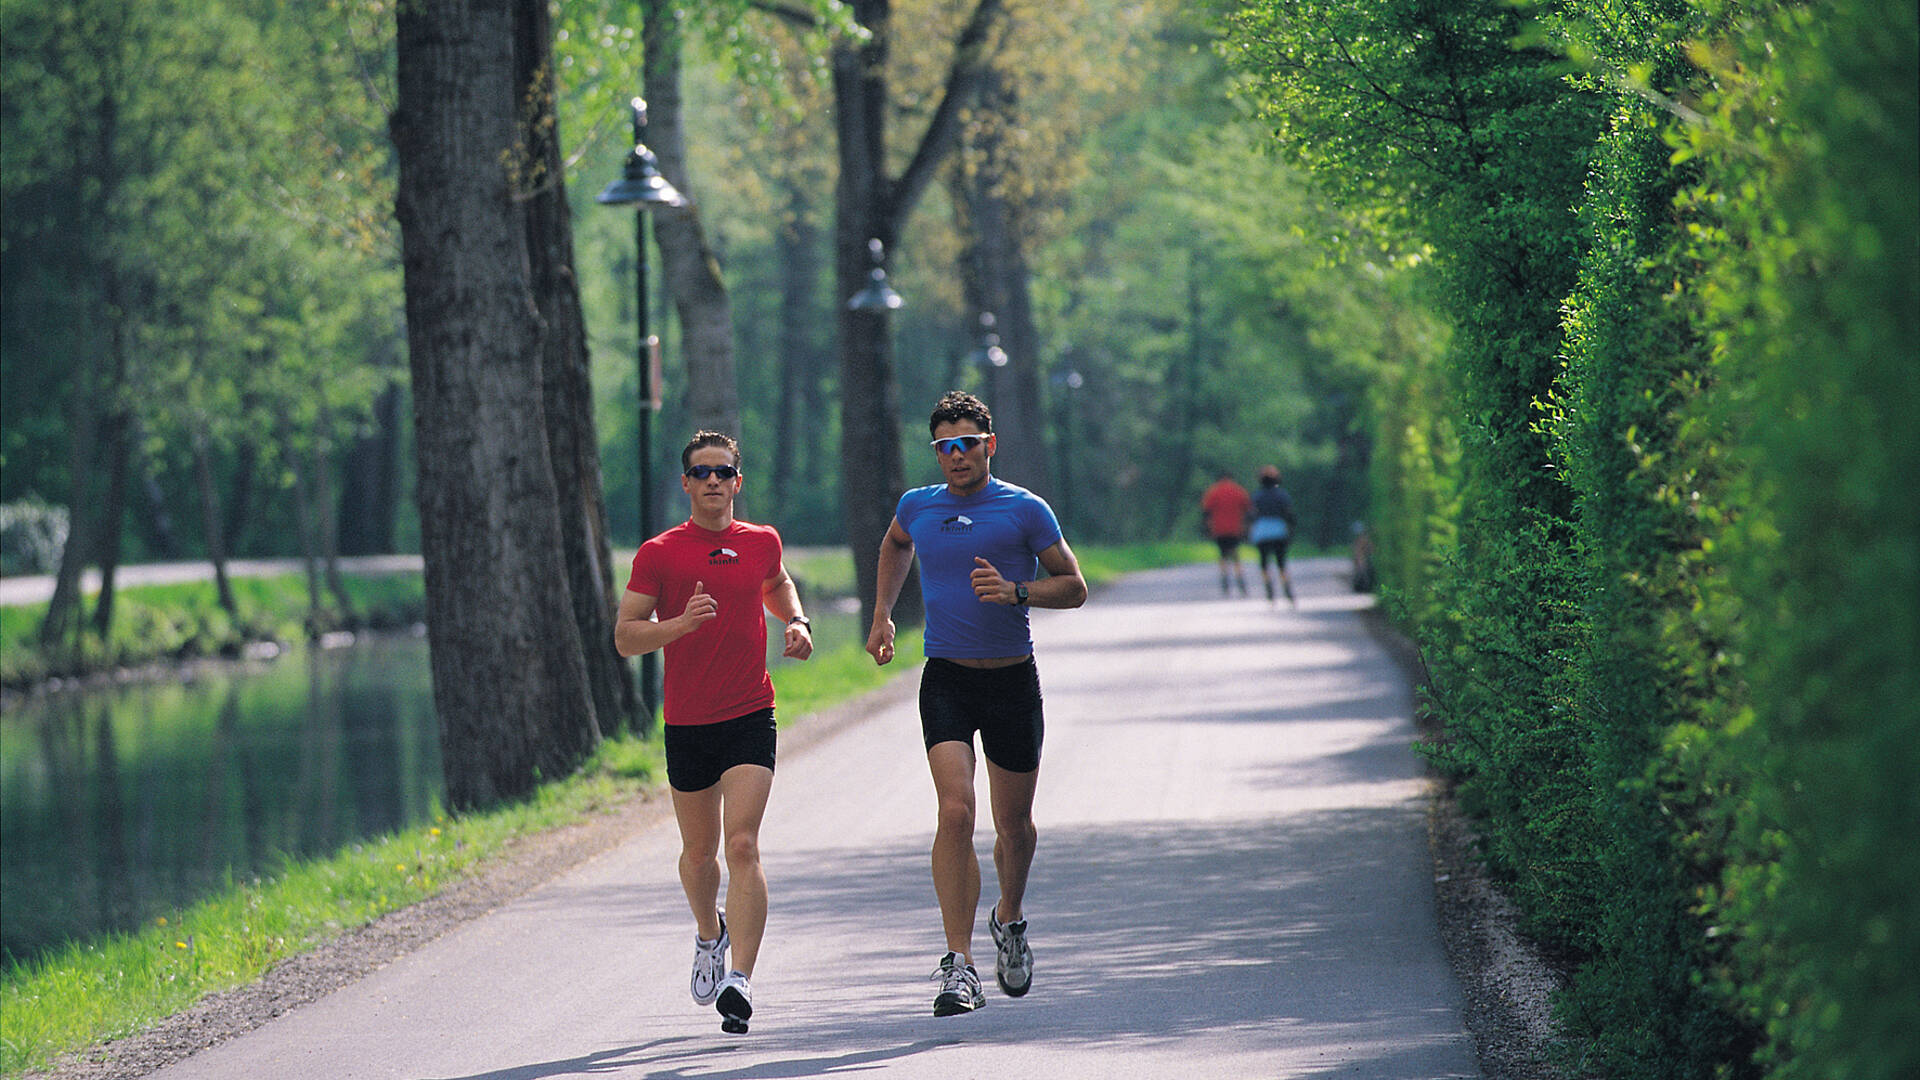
point(1226, 506)
point(718, 573)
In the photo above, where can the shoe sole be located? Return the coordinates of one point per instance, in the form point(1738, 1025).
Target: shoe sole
point(735, 1011)
point(945, 1006)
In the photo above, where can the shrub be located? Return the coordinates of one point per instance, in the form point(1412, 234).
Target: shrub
point(32, 535)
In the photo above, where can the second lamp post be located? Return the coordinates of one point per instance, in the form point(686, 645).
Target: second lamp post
point(642, 187)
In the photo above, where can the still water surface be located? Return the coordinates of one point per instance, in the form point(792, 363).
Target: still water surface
point(124, 803)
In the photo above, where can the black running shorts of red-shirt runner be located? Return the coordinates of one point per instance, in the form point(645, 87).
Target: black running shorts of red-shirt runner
point(698, 754)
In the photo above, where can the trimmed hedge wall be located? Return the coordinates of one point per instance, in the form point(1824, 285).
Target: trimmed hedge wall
point(1655, 517)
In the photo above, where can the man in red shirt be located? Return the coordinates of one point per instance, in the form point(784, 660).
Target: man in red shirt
point(1226, 506)
point(717, 573)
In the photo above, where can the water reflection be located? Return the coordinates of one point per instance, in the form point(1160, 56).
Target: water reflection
point(128, 802)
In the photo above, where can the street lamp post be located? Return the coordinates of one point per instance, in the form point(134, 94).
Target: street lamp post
point(877, 296)
point(642, 187)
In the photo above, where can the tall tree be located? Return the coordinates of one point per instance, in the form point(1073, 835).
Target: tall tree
point(997, 281)
point(510, 680)
point(692, 270)
point(69, 163)
point(567, 378)
point(871, 203)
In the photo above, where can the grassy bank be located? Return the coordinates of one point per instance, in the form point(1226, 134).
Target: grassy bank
point(98, 990)
point(94, 991)
point(184, 621)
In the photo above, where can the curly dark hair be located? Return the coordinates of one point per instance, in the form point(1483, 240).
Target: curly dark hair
point(958, 405)
point(709, 438)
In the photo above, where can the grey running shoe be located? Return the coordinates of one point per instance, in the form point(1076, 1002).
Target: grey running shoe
point(1013, 967)
point(709, 964)
point(735, 1002)
point(959, 987)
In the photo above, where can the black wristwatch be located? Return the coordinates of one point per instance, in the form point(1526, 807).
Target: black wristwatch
point(1019, 593)
point(801, 620)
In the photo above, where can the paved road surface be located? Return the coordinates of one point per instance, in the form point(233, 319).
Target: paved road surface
point(1232, 882)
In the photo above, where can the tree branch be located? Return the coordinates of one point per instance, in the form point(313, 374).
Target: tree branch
point(970, 54)
point(793, 16)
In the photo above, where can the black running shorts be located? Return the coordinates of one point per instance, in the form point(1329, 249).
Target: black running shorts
point(1002, 704)
point(698, 753)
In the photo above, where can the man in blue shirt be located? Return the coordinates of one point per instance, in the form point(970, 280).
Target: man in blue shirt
point(981, 543)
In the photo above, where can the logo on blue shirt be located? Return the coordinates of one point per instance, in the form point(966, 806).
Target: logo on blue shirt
point(958, 523)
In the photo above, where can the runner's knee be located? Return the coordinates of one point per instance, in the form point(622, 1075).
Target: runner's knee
point(956, 814)
point(743, 849)
point(1019, 829)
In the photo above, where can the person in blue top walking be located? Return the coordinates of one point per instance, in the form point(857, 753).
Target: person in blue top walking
point(1272, 530)
point(982, 543)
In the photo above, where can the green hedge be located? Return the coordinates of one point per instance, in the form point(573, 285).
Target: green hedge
point(1653, 517)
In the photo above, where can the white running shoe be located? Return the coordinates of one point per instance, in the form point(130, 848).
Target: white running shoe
point(709, 964)
point(959, 986)
point(735, 1002)
point(1013, 966)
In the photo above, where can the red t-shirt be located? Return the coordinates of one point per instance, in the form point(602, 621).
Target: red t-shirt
point(1227, 505)
point(719, 671)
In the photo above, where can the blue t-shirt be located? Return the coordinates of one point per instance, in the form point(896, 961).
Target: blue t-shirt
point(1002, 523)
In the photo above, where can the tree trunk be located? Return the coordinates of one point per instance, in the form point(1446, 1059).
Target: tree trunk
point(872, 472)
point(325, 530)
point(567, 392)
point(61, 623)
point(98, 172)
point(245, 473)
point(509, 677)
point(210, 521)
point(797, 248)
point(871, 205)
point(303, 515)
point(1004, 284)
point(113, 512)
point(370, 493)
point(691, 269)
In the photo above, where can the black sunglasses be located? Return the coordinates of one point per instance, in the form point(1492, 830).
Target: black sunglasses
point(701, 472)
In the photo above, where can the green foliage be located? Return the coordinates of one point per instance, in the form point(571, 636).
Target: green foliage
point(1427, 121)
point(1805, 220)
point(1652, 518)
point(197, 244)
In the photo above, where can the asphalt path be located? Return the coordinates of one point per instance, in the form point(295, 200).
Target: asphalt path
point(28, 589)
point(1232, 881)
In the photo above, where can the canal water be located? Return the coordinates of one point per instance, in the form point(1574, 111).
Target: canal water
point(124, 803)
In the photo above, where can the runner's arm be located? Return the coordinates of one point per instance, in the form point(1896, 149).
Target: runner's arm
point(782, 600)
point(636, 632)
point(896, 558)
point(1064, 587)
